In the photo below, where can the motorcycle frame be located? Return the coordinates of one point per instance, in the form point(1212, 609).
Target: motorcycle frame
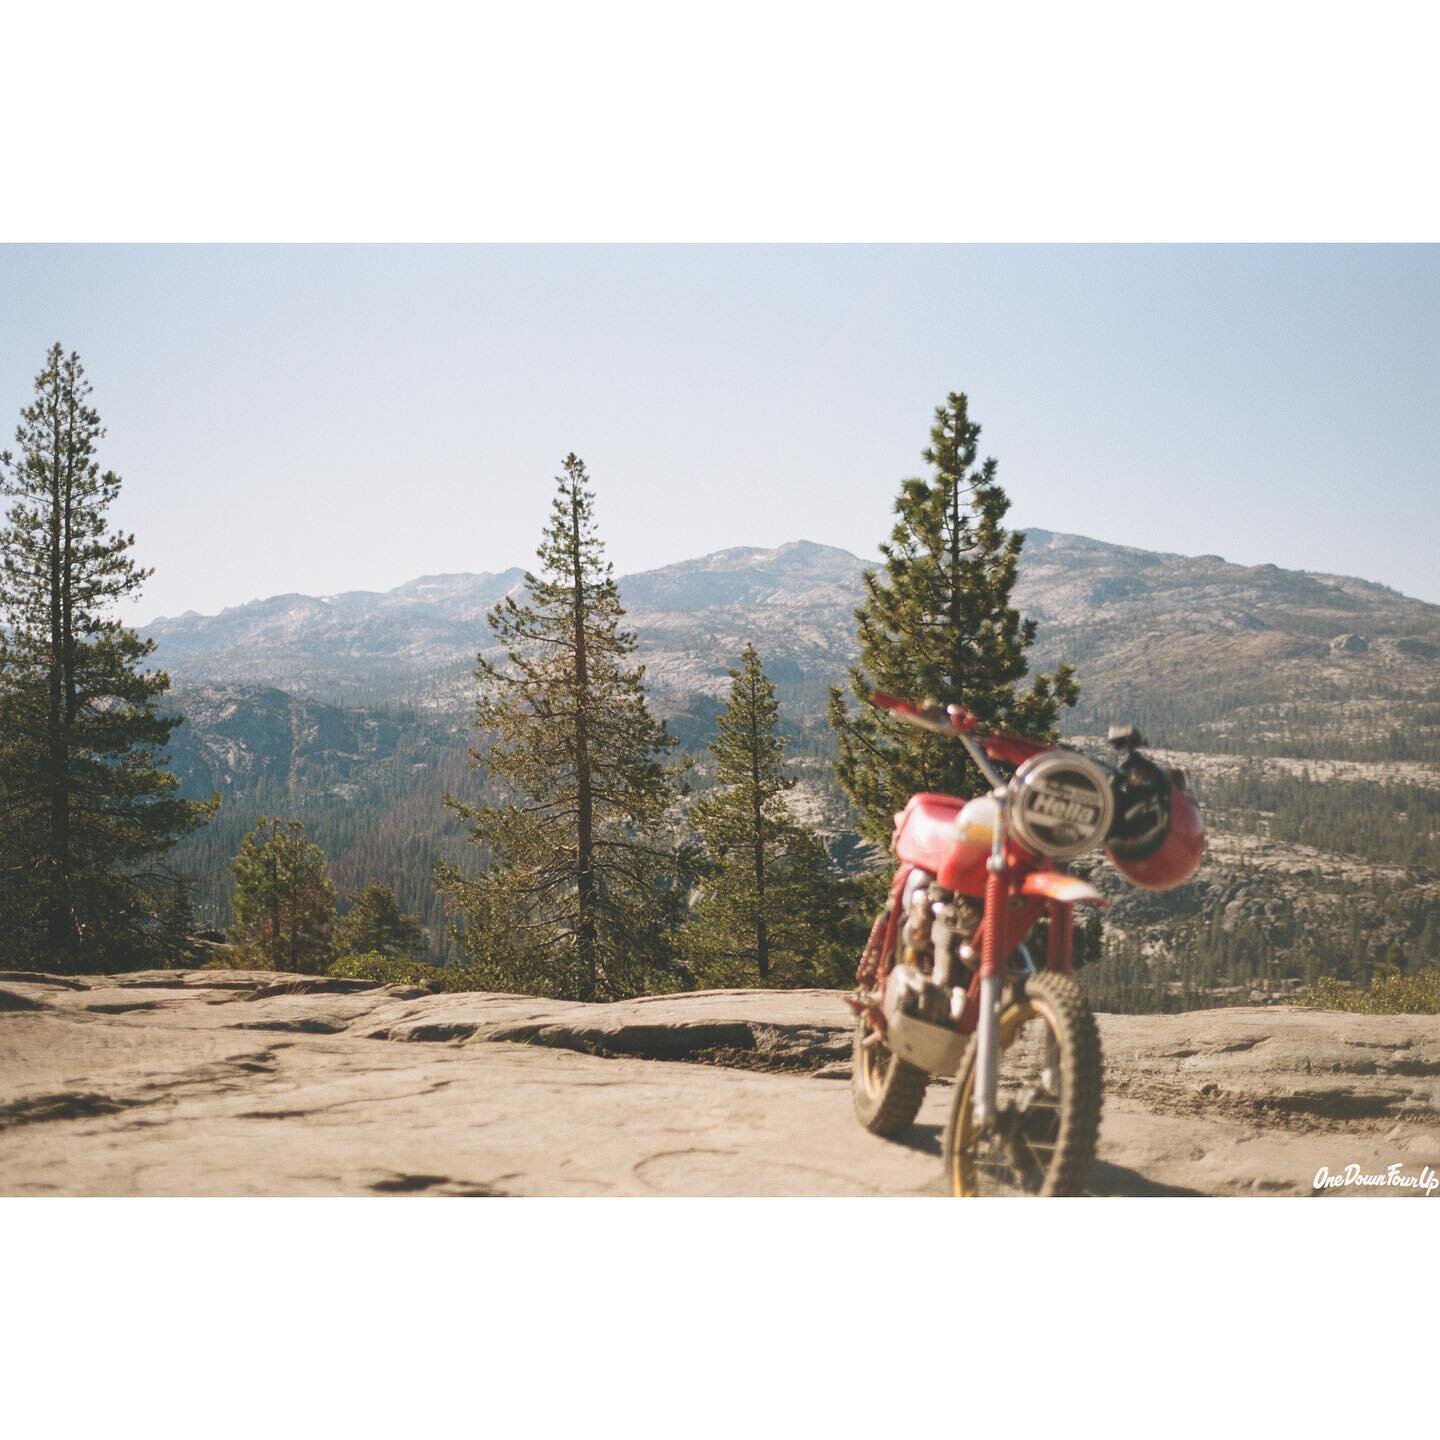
point(1009, 916)
point(996, 944)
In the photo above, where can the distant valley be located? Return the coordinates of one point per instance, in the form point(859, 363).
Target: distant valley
point(352, 711)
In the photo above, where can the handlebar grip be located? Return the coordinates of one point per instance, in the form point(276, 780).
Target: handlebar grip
point(946, 720)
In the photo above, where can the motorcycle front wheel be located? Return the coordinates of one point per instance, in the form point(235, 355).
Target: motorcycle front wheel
point(886, 1090)
point(1048, 1098)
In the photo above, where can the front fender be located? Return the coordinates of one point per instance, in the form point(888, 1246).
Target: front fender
point(1067, 889)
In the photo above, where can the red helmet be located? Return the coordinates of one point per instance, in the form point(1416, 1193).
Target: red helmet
point(1158, 836)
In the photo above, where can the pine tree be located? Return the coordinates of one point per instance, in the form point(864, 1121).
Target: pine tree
point(176, 925)
point(768, 906)
point(582, 890)
point(375, 925)
point(87, 808)
point(1429, 943)
point(939, 626)
point(284, 901)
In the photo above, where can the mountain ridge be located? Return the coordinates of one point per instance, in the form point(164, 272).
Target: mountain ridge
point(462, 581)
point(795, 599)
point(1197, 646)
point(1305, 704)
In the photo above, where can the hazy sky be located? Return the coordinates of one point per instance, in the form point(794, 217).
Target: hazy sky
point(324, 419)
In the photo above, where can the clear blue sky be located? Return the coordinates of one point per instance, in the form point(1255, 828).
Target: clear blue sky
point(323, 419)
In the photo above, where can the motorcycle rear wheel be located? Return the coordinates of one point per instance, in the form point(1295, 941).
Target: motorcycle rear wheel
point(886, 1090)
point(1043, 1141)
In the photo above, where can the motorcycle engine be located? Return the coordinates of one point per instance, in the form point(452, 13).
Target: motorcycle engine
point(925, 992)
point(916, 948)
point(936, 930)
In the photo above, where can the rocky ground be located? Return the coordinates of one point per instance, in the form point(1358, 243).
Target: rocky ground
point(226, 1083)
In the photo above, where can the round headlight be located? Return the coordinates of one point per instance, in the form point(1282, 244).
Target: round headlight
point(1060, 804)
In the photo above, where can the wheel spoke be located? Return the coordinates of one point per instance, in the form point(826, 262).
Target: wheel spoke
point(1020, 1155)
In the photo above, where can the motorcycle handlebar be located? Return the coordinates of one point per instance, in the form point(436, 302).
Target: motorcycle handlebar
point(960, 723)
point(952, 720)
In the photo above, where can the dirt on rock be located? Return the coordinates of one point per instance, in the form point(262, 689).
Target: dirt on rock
point(230, 1083)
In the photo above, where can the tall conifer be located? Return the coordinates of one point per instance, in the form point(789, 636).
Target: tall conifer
point(87, 809)
point(376, 925)
point(580, 894)
point(284, 901)
point(938, 624)
point(768, 907)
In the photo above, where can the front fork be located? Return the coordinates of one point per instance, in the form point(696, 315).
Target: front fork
point(994, 951)
point(987, 1025)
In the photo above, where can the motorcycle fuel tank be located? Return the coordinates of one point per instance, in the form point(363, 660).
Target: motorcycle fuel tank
point(949, 837)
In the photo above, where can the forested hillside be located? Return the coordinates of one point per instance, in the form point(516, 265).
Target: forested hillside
point(369, 783)
point(1308, 708)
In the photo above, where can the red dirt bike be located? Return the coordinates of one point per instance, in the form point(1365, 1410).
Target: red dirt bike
point(947, 986)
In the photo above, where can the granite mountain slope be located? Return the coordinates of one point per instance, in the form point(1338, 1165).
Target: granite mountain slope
point(1288, 694)
point(1209, 653)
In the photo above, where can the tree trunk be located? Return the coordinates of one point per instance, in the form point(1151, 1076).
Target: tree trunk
point(585, 818)
point(59, 934)
point(762, 939)
point(274, 904)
